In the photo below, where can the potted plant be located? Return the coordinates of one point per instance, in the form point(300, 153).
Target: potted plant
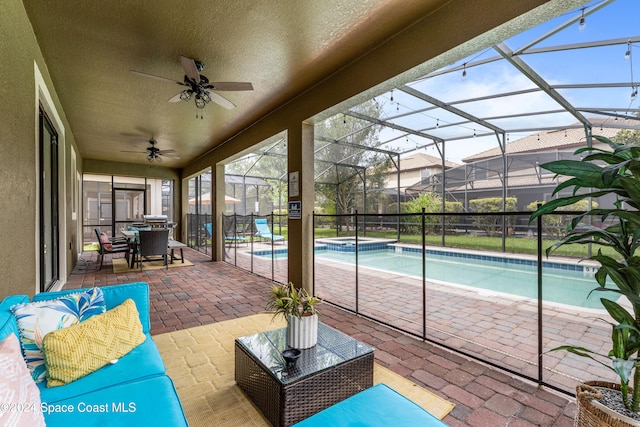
point(298, 308)
point(614, 171)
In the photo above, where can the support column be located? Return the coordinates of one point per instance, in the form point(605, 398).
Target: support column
point(217, 209)
point(300, 153)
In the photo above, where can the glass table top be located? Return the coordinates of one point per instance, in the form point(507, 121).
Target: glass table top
point(333, 349)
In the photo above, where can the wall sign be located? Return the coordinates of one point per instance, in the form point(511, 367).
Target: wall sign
point(295, 210)
point(294, 184)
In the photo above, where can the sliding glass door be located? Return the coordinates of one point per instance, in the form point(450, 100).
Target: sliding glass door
point(48, 202)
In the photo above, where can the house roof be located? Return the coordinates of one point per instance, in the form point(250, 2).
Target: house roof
point(561, 139)
point(421, 161)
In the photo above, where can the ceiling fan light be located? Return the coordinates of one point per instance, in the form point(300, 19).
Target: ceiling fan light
point(150, 158)
point(200, 103)
point(206, 97)
point(186, 95)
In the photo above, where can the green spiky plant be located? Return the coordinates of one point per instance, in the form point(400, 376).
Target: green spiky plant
point(603, 172)
point(286, 299)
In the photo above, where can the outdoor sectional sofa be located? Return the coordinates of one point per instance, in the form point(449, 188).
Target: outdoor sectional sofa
point(131, 390)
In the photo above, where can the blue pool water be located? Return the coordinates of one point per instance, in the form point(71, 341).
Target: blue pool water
point(561, 283)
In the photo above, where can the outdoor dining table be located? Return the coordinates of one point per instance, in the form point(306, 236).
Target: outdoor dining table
point(172, 245)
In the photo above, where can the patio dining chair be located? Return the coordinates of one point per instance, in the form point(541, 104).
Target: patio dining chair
point(107, 246)
point(153, 243)
point(263, 230)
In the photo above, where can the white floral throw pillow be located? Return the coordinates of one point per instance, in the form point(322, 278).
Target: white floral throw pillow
point(37, 319)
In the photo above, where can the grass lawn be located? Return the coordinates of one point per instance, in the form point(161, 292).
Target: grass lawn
point(519, 245)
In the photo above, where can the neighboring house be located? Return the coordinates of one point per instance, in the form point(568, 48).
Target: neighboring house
point(483, 175)
point(414, 169)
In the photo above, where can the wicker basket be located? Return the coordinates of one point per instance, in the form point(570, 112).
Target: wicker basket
point(591, 413)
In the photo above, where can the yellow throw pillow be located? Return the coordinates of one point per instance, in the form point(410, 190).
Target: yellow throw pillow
point(78, 350)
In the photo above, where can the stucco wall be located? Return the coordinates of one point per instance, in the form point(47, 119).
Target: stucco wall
point(18, 156)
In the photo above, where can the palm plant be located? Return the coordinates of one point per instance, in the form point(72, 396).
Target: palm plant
point(614, 171)
point(286, 299)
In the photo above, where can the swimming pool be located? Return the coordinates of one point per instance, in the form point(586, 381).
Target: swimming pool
point(348, 244)
point(562, 283)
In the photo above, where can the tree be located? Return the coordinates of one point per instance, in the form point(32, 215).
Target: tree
point(341, 166)
point(627, 137)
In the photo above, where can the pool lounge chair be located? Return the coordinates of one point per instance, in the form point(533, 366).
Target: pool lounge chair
point(231, 234)
point(264, 231)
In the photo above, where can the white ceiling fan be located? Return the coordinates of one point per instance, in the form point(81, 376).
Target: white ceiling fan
point(199, 87)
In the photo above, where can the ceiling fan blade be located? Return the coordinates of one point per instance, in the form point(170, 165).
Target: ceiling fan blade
point(153, 76)
point(129, 151)
point(175, 98)
point(220, 100)
point(190, 69)
point(170, 156)
point(166, 151)
point(230, 86)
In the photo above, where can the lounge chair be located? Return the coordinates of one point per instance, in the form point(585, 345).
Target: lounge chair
point(231, 233)
point(263, 230)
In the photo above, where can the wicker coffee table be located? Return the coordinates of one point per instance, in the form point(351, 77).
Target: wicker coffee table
point(335, 369)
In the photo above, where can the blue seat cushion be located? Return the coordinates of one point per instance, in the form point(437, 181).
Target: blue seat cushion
point(141, 362)
point(147, 402)
point(375, 406)
point(8, 322)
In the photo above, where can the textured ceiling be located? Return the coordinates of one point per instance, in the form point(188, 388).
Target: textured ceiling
point(281, 46)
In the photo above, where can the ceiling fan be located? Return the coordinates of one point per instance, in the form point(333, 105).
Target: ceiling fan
point(153, 153)
point(199, 87)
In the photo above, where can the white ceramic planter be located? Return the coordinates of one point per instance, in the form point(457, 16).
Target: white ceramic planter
point(302, 332)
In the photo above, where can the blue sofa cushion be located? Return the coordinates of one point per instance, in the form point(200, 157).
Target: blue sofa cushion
point(116, 295)
point(8, 322)
point(141, 362)
point(373, 407)
point(148, 402)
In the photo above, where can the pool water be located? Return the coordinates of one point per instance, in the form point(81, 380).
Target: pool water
point(569, 286)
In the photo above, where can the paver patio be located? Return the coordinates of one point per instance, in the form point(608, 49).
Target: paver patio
point(211, 292)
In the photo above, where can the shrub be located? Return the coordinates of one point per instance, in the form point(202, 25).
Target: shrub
point(556, 225)
point(492, 224)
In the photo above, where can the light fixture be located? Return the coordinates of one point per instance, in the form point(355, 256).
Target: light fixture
point(634, 93)
point(583, 22)
point(474, 133)
point(200, 102)
point(391, 95)
point(464, 71)
point(154, 156)
point(627, 54)
point(186, 94)
point(437, 123)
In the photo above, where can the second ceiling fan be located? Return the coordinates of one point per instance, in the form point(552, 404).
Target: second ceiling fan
point(199, 87)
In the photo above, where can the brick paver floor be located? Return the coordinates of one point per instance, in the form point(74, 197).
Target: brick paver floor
point(211, 292)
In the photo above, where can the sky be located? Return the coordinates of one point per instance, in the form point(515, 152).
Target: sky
point(618, 20)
